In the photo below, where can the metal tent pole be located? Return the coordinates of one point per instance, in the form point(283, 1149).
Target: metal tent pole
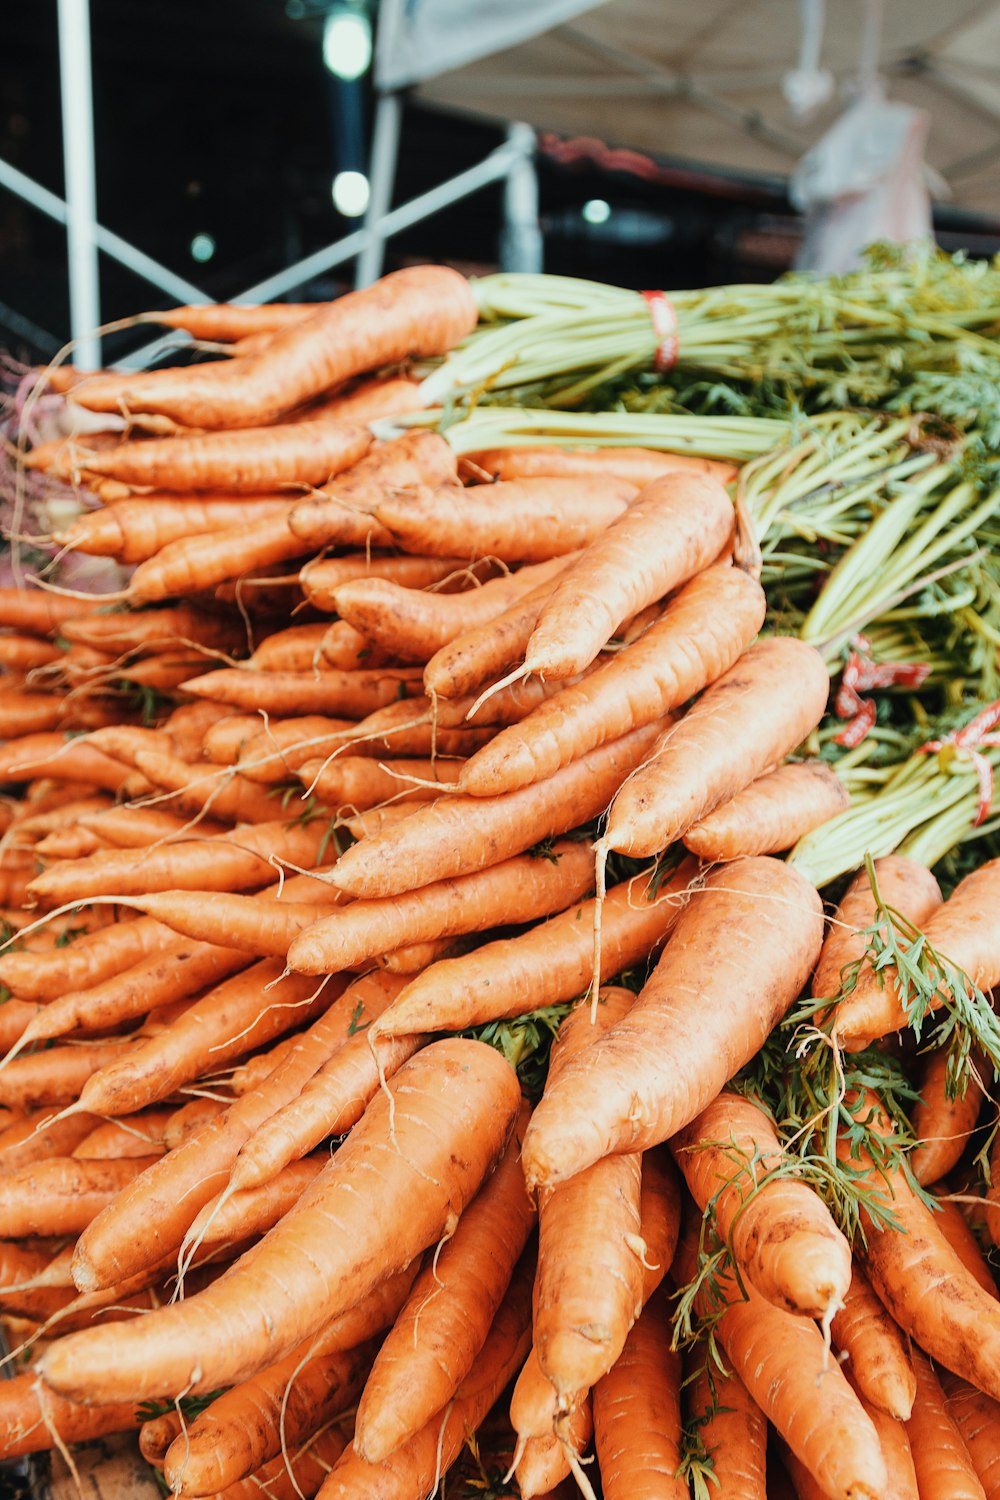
point(521, 246)
point(382, 175)
point(78, 156)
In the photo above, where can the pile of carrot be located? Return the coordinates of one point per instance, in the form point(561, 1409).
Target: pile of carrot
point(382, 771)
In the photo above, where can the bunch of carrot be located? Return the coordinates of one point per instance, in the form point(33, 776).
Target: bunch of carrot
point(421, 766)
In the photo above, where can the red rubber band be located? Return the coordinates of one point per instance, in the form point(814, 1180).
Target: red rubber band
point(663, 317)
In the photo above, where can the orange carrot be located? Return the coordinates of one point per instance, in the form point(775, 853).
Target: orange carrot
point(298, 1474)
point(62, 1195)
point(53, 754)
point(37, 1136)
point(704, 630)
point(875, 1348)
point(264, 924)
point(637, 1414)
point(941, 1460)
point(731, 735)
point(368, 399)
point(905, 885)
point(296, 649)
point(136, 530)
point(420, 311)
point(771, 814)
point(733, 1432)
point(353, 694)
point(152, 629)
point(950, 1220)
point(38, 612)
point(31, 1416)
point(738, 957)
point(544, 1462)
point(895, 1446)
point(322, 578)
point(139, 1135)
point(977, 1418)
point(22, 652)
point(55, 1076)
point(640, 466)
point(223, 322)
point(457, 835)
point(139, 827)
point(943, 1121)
point(516, 890)
point(455, 1105)
point(359, 782)
point(253, 1211)
point(193, 564)
point(417, 458)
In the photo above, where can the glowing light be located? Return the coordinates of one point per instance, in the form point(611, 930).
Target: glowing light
point(596, 211)
point(351, 193)
point(347, 43)
point(202, 248)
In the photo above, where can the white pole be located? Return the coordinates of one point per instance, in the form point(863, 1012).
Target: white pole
point(78, 157)
point(521, 247)
point(385, 145)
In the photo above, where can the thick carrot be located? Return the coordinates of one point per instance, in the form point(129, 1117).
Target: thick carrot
point(738, 957)
point(296, 649)
point(55, 1076)
point(194, 564)
point(322, 578)
point(670, 532)
point(733, 1432)
point(457, 835)
point(704, 630)
point(454, 1106)
point(37, 1136)
point(298, 1474)
point(31, 1417)
point(359, 783)
point(22, 652)
point(139, 827)
point(417, 458)
point(353, 694)
point(264, 924)
point(151, 1219)
point(529, 520)
point(418, 311)
point(780, 1233)
point(875, 1348)
point(547, 965)
point(731, 735)
point(67, 843)
point(62, 1195)
point(253, 1211)
point(977, 1418)
point(24, 713)
point(942, 1124)
point(904, 884)
point(637, 1414)
point(640, 466)
point(39, 613)
point(152, 629)
point(963, 930)
point(896, 1450)
point(444, 1323)
point(136, 530)
point(771, 814)
point(941, 1461)
point(517, 890)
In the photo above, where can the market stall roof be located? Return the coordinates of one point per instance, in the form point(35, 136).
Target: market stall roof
point(705, 83)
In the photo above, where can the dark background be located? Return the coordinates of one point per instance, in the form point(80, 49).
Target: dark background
point(218, 117)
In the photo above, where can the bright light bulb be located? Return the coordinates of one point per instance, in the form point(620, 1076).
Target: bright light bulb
point(351, 193)
point(347, 43)
point(202, 248)
point(596, 211)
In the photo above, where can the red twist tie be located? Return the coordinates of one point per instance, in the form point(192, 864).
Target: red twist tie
point(663, 317)
point(861, 674)
point(968, 739)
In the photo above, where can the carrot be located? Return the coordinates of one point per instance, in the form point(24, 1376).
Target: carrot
point(263, 747)
point(193, 564)
point(508, 705)
point(124, 741)
point(37, 1136)
point(68, 843)
point(294, 650)
point(264, 924)
point(943, 1121)
point(39, 613)
point(950, 1220)
point(640, 466)
point(457, 835)
point(779, 1232)
point(875, 1348)
point(941, 1460)
point(136, 530)
point(299, 1474)
point(963, 930)
point(263, 1416)
point(22, 652)
point(544, 1462)
point(455, 1104)
point(707, 625)
point(420, 311)
point(731, 735)
point(785, 1365)
point(977, 1418)
point(417, 458)
point(253, 1211)
point(413, 623)
point(516, 890)
point(189, 724)
point(139, 827)
point(66, 815)
point(30, 1415)
point(352, 694)
point(53, 753)
point(547, 965)
point(359, 782)
point(24, 713)
point(153, 629)
point(139, 1135)
point(379, 397)
point(529, 520)
point(733, 1433)
point(906, 885)
point(895, 1446)
point(637, 1414)
point(55, 1076)
point(156, 1435)
point(152, 1218)
point(62, 1195)
point(223, 322)
point(321, 579)
point(771, 814)
point(445, 1321)
point(694, 1024)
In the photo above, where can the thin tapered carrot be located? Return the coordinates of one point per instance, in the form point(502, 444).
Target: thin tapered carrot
point(136, 530)
point(738, 957)
point(457, 835)
point(62, 1195)
point(320, 579)
point(124, 741)
point(68, 843)
point(263, 1416)
point(272, 749)
point(941, 1460)
point(444, 1323)
point(223, 322)
point(299, 1473)
point(963, 930)
point(31, 1417)
point(152, 629)
point(508, 705)
point(637, 1414)
point(670, 532)
point(895, 1444)
point(264, 924)
point(423, 310)
point(785, 1365)
point(977, 1418)
point(943, 1120)
point(547, 965)
point(732, 734)
point(640, 466)
point(41, 1134)
point(733, 1432)
point(193, 564)
point(24, 713)
point(706, 627)
point(139, 827)
point(152, 1218)
point(544, 1461)
point(517, 890)
point(352, 694)
point(780, 1233)
point(416, 458)
point(454, 1106)
point(771, 814)
point(360, 782)
point(414, 623)
point(22, 652)
point(906, 885)
point(875, 1348)
point(56, 1075)
point(191, 1116)
point(55, 754)
point(414, 957)
point(952, 1224)
point(68, 814)
point(368, 399)
point(139, 1135)
point(253, 1211)
point(39, 613)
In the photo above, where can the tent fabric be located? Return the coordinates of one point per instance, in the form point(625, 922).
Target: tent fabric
point(703, 83)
